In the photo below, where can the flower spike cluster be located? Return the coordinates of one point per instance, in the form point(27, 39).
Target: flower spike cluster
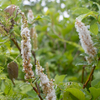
point(30, 16)
point(46, 85)
point(85, 39)
point(26, 49)
point(32, 30)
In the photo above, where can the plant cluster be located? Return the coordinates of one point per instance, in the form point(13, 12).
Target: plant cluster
point(49, 50)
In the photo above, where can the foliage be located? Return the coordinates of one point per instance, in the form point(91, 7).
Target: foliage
point(58, 44)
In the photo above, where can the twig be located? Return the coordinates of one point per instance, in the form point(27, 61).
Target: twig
point(36, 91)
point(89, 78)
point(4, 27)
point(12, 23)
point(15, 42)
point(33, 53)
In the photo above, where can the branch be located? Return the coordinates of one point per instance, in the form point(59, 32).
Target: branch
point(15, 42)
point(89, 78)
point(36, 91)
point(4, 27)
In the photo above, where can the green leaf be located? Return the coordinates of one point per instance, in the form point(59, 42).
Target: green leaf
point(96, 83)
point(97, 6)
point(94, 27)
point(81, 11)
point(95, 92)
point(67, 96)
point(46, 18)
point(12, 58)
point(76, 92)
point(59, 79)
point(7, 87)
point(81, 17)
point(2, 76)
point(25, 88)
point(32, 94)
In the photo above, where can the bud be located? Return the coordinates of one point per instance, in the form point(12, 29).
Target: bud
point(12, 70)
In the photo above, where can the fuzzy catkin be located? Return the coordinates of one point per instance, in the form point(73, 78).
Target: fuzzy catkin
point(26, 49)
point(46, 85)
point(85, 39)
point(32, 30)
point(30, 16)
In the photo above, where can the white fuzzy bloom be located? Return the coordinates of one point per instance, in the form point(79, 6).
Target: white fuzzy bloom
point(46, 85)
point(26, 52)
point(85, 38)
point(25, 43)
point(30, 16)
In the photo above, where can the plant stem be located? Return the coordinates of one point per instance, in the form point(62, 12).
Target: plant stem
point(15, 42)
point(36, 91)
point(89, 78)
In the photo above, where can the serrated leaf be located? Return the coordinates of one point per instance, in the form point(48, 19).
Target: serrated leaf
point(95, 92)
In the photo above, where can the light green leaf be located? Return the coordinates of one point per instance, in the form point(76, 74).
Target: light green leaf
point(81, 17)
point(81, 11)
point(7, 86)
point(59, 79)
point(67, 96)
point(94, 27)
point(12, 58)
point(95, 92)
point(77, 93)
point(3, 76)
point(97, 6)
point(32, 94)
point(96, 83)
point(25, 88)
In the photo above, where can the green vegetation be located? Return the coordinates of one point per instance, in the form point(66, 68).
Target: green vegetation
point(59, 49)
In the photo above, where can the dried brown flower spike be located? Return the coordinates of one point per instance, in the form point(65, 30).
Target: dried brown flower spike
point(10, 9)
point(12, 70)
